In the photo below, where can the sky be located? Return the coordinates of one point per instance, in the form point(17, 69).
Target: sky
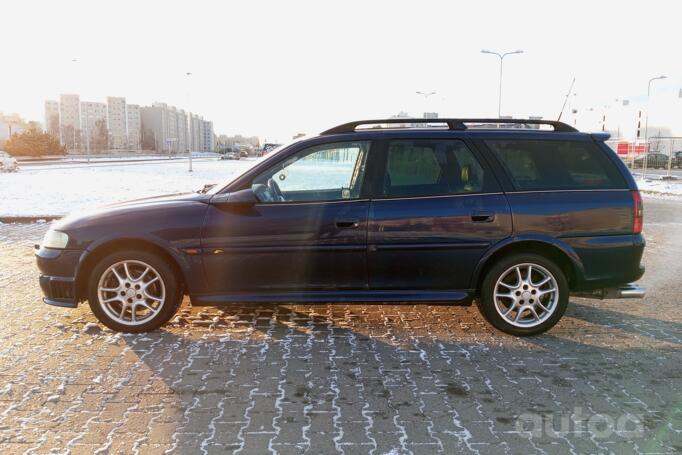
point(277, 68)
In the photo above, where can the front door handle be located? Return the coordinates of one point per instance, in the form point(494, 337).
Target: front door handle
point(347, 224)
point(483, 217)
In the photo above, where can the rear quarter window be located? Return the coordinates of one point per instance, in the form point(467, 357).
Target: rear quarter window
point(557, 165)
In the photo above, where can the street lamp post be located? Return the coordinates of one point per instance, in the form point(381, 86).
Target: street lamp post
point(501, 56)
point(646, 124)
point(426, 96)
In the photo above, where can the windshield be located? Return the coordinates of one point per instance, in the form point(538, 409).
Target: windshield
point(220, 185)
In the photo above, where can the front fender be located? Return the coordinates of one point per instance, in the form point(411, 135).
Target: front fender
point(178, 256)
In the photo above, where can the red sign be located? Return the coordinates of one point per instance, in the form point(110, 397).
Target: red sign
point(627, 148)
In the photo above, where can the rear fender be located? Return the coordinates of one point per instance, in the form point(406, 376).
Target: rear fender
point(517, 243)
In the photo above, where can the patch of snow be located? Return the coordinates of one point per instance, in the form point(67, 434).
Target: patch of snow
point(59, 190)
point(7, 163)
point(53, 398)
point(98, 379)
point(7, 390)
point(91, 328)
point(670, 188)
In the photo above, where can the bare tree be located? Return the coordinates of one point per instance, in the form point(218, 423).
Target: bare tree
point(101, 136)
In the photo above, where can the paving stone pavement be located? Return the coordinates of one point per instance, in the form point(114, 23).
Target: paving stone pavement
point(353, 379)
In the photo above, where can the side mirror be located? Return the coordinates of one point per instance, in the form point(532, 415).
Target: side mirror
point(244, 197)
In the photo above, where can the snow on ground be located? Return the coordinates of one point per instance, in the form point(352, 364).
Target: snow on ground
point(671, 189)
point(59, 189)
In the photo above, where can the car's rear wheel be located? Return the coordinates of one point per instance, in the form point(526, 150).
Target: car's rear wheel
point(524, 294)
point(133, 291)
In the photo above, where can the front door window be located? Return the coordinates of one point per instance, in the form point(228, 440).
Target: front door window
point(329, 172)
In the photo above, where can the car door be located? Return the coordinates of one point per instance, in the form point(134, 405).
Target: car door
point(308, 231)
point(433, 216)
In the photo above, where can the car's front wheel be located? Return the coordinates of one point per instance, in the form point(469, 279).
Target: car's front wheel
point(524, 294)
point(133, 291)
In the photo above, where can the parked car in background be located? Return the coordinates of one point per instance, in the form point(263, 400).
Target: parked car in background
point(655, 160)
point(8, 163)
point(244, 154)
point(230, 156)
point(677, 159)
point(515, 219)
point(267, 148)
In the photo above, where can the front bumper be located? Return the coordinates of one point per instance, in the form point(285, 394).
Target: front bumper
point(59, 291)
point(57, 278)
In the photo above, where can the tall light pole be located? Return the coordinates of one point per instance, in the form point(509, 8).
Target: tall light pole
point(502, 56)
point(646, 124)
point(189, 116)
point(426, 96)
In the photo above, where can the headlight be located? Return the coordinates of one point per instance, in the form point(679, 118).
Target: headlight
point(55, 239)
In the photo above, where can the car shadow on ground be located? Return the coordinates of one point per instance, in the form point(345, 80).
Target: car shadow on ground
point(657, 329)
point(295, 375)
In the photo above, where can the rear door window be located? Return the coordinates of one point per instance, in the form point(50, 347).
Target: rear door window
point(432, 167)
point(556, 165)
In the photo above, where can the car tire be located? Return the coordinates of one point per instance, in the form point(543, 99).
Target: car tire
point(519, 305)
point(134, 291)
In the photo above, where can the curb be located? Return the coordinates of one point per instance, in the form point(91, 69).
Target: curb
point(29, 219)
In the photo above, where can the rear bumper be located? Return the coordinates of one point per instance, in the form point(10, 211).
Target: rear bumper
point(608, 261)
point(627, 291)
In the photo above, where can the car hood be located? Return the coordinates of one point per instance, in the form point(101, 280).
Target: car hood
point(130, 210)
point(173, 197)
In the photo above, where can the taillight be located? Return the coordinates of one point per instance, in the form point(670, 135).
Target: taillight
point(639, 212)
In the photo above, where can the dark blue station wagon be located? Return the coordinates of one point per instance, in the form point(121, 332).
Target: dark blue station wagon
point(502, 212)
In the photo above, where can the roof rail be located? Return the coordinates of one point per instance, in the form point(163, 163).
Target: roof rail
point(453, 123)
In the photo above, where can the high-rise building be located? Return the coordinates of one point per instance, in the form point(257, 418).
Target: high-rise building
point(134, 126)
point(164, 128)
point(69, 120)
point(117, 125)
point(117, 122)
point(52, 118)
point(182, 131)
point(208, 137)
point(194, 142)
point(94, 132)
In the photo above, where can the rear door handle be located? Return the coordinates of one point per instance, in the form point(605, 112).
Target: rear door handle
point(483, 217)
point(347, 224)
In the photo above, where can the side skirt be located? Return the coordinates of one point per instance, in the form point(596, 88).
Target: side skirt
point(460, 297)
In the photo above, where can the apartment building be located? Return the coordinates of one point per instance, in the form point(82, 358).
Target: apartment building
point(182, 131)
point(117, 122)
point(93, 124)
point(134, 125)
point(52, 118)
point(117, 125)
point(201, 135)
point(69, 120)
point(208, 137)
point(164, 128)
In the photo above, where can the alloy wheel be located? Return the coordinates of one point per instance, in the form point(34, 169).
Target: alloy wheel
point(131, 292)
point(526, 295)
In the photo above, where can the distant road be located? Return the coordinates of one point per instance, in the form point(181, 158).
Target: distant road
point(67, 163)
point(657, 172)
